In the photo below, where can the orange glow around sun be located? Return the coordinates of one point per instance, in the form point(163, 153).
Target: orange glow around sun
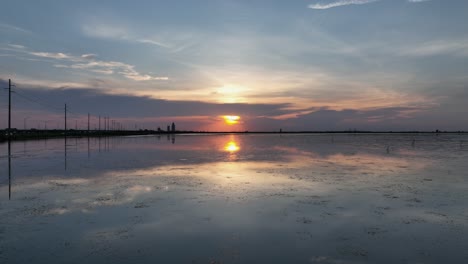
point(231, 119)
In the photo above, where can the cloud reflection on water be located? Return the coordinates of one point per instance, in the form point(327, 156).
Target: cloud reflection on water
point(298, 188)
point(200, 159)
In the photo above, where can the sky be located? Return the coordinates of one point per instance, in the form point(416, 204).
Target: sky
point(313, 65)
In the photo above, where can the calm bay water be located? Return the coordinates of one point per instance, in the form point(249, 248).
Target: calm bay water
point(236, 199)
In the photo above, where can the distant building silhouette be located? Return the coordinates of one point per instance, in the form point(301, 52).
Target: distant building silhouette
point(168, 128)
point(173, 127)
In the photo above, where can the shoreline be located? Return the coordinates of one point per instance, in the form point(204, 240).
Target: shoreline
point(19, 135)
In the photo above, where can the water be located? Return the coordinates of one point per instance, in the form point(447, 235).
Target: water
point(236, 199)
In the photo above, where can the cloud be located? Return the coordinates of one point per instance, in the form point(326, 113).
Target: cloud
point(50, 55)
point(200, 115)
point(130, 73)
point(119, 33)
point(441, 47)
point(8, 27)
point(153, 42)
point(340, 3)
point(418, 1)
point(109, 67)
point(17, 46)
point(123, 33)
point(123, 105)
point(376, 119)
point(105, 31)
point(89, 62)
point(103, 71)
point(89, 56)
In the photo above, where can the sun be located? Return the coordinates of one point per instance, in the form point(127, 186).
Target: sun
point(231, 119)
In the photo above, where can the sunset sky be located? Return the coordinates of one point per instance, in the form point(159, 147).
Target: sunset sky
point(291, 65)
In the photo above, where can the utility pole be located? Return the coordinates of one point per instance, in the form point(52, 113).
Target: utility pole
point(9, 107)
point(65, 118)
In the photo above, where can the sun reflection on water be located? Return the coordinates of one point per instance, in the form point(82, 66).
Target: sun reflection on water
point(231, 147)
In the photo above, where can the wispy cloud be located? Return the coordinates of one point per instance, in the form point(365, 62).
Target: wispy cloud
point(442, 47)
point(119, 33)
point(16, 46)
point(8, 27)
point(89, 56)
point(153, 42)
point(105, 31)
point(164, 40)
point(109, 67)
point(51, 55)
point(418, 1)
point(341, 3)
point(89, 62)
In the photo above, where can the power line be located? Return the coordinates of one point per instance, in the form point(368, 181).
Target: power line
point(20, 94)
point(41, 102)
point(48, 105)
point(73, 113)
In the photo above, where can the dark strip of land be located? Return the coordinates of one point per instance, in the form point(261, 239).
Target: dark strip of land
point(41, 134)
